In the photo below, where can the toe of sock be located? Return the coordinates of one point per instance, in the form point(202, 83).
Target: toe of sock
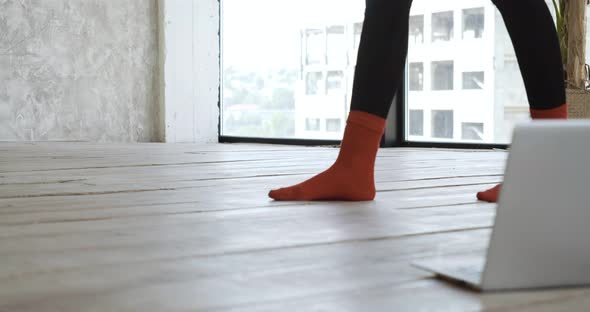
point(484, 196)
point(275, 194)
point(281, 194)
point(490, 195)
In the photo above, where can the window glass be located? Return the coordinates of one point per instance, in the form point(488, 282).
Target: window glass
point(473, 80)
point(442, 75)
point(335, 82)
point(315, 46)
point(315, 83)
point(333, 125)
point(312, 124)
point(442, 26)
point(442, 124)
point(472, 131)
point(473, 23)
point(416, 122)
point(416, 29)
point(416, 76)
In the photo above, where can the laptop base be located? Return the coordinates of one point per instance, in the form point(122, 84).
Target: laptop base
point(461, 270)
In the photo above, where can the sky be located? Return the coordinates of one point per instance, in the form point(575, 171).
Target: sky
point(262, 34)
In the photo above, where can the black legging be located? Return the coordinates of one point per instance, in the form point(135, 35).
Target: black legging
point(384, 47)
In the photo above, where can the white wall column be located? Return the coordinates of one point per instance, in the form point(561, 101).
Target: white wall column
point(190, 58)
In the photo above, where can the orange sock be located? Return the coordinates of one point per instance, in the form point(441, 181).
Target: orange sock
point(351, 177)
point(559, 112)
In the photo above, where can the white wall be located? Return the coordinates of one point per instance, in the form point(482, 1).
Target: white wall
point(79, 70)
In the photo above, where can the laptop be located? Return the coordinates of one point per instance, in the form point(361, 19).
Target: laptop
point(541, 234)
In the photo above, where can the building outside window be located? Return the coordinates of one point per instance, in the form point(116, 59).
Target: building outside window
point(325, 89)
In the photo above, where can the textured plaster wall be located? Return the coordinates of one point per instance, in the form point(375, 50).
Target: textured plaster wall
point(79, 70)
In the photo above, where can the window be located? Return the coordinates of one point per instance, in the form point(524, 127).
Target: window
point(416, 76)
point(284, 63)
point(416, 122)
point(442, 75)
point(473, 80)
point(314, 83)
point(315, 46)
point(335, 82)
point(472, 131)
point(473, 23)
point(312, 124)
point(442, 124)
point(417, 29)
point(442, 26)
point(333, 125)
point(337, 52)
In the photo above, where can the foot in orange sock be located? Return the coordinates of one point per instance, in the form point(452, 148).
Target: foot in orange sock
point(351, 177)
point(559, 112)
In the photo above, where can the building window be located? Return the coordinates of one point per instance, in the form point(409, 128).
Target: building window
point(442, 75)
point(442, 124)
point(337, 49)
point(417, 29)
point(416, 76)
point(314, 83)
point(416, 122)
point(335, 82)
point(442, 26)
point(312, 124)
point(333, 125)
point(472, 131)
point(315, 46)
point(473, 80)
point(473, 23)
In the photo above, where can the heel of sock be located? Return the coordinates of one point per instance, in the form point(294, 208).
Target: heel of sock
point(560, 112)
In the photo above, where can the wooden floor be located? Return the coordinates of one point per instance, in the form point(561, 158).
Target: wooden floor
point(86, 227)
